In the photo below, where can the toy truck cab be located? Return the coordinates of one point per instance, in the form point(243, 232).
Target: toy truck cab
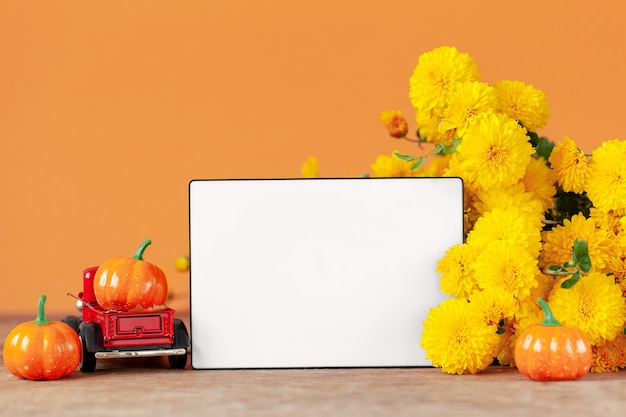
point(124, 334)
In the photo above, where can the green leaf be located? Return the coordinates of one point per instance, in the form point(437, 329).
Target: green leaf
point(452, 149)
point(569, 283)
point(584, 263)
point(544, 149)
point(534, 138)
point(501, 329)
point(577, 249)
point(555, 268)
point(419, 163)
point(580, 255)
point(404, 157)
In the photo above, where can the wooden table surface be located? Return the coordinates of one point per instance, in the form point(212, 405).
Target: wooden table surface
point(147, 387)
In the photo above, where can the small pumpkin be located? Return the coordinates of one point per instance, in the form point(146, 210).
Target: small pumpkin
point(130, 284)
point(42, 348)
point(550, 351)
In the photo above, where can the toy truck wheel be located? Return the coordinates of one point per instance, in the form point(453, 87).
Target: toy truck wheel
point(181, 340)
point(88, 359)
point(72, 321)
point(87, 337)
point(177, 361)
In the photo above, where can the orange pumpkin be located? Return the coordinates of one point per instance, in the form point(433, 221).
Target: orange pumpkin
point(130, 284)
point(551, 352)
point(42, 348)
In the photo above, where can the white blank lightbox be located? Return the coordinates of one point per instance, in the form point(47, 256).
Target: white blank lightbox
point(299, 273)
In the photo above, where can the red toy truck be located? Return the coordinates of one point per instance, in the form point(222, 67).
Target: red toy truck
point(122, 334)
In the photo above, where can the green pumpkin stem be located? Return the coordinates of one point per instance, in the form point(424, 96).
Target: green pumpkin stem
point(139, 254)
point(548, 316)
point(41, 315)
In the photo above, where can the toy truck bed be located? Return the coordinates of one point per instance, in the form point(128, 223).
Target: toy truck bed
point(117, 334)
point(127, 329)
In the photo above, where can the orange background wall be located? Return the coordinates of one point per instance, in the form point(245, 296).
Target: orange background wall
point(108, 109)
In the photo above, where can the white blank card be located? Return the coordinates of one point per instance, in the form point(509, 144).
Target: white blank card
point(299, 273)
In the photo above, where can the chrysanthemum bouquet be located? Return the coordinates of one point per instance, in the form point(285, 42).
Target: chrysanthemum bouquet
point(542, 220)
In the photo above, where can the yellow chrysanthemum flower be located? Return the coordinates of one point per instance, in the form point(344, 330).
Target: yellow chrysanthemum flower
point(456, 338)
point(428, 129)
point(506, 348)
point(513, 327)
point(435, 77)
point(468, 103)
point(607, 220)
point(617, 266)
point(544, 288)
point(469, 193)
point(620, 275)
point(539, 180)
point(522, 102)
point(545, 284)
point(494, 152)
point(558, 242)
point(395, 124)
point(595, 305)
point(503, 265)
point(392, 166)
point(493, 304)
point(609, 355)
point(454, 170)
point(457, 273)
point(606, 186)
point(534, 315)
point(309, 168)
point(622, 221)
point(512, 196)
point(617, 263)
point(570, 166)
point(507, 224)
point(435, 165)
